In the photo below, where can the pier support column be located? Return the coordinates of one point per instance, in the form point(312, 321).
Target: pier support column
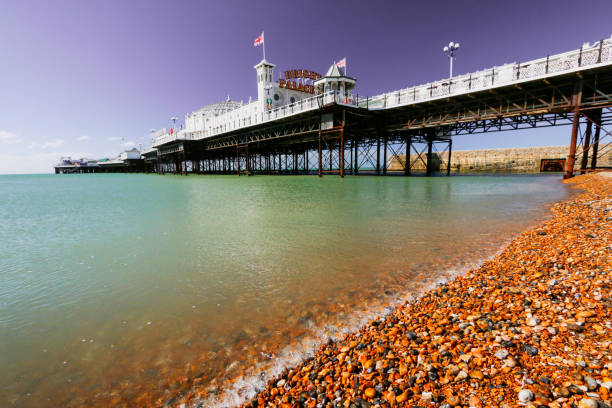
point(331, 157)
point(429, 157)
point(384, 164)
point(571, 158)
point(596, 115)
point(407, 156)
point(576, 100)
point(450, 150)
point(248, 164)
point(320, 158)
point(586, 146)
point(378, 154)
point(356, 157)
point(342, 146)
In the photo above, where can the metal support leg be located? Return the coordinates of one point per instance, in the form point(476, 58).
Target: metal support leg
point(586, 147)
point(407, 156)
point(356, 160)
point(378, 154)
point(597, 120)
point(384, 164)
point(450, 150)
point(429, 158)
point(571, 158)
point(248, 163)
point(320, 158)
point(576, 100)
point(342, 151)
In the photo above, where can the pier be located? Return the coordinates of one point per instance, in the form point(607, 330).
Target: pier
point(323, 128)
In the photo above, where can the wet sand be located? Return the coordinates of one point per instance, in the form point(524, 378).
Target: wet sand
point(530, 327)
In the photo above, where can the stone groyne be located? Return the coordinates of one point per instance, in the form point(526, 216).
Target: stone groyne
point(517, 160)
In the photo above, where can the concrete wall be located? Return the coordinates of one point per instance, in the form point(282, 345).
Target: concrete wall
point(519, 160)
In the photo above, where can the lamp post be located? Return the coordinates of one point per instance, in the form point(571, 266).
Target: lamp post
point(450, 51)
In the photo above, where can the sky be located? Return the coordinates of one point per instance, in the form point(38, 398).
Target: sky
point(89, 78)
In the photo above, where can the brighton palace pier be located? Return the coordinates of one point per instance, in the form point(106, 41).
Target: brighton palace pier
point(307, 123)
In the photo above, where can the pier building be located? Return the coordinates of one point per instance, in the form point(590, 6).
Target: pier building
point(307, 123)
point(128, 161)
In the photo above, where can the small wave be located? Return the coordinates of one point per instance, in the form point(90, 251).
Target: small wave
point(246, 387)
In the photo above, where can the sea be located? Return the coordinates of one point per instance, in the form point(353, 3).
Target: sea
point(137, 290)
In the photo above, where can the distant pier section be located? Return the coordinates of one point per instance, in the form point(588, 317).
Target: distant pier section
point(129, 161)
point(307, 123)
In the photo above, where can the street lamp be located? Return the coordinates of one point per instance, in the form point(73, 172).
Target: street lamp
point(450, 51)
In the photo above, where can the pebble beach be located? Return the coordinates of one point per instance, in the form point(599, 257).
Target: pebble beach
point(530, 327)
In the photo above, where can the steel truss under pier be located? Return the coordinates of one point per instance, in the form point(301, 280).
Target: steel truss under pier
point(344, 139)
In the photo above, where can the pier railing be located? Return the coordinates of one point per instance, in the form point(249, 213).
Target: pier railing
point(597, 53)
point(587, 56)
point(303, 105)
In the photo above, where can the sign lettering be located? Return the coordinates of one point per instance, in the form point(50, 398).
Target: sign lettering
point(304, 75)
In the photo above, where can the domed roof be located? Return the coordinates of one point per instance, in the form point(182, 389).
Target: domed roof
point(219, 108)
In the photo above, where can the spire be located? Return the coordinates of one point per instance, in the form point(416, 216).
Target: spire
point(333, 71)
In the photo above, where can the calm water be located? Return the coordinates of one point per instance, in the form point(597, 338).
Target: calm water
point(132, 288)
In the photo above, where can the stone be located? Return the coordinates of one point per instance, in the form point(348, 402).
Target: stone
point(401, 398)
point(369, 393)
point(474, 402)
point(591, 383)
point(461, 376)
point(529, 349)
point(501, 354)
point(587, 403)
point(510, 362)
point(524, 396)
point(453, 400)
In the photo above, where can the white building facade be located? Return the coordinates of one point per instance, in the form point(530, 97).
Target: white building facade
point(229, 115)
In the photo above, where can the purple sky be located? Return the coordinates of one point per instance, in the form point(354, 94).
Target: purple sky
point(82, 77)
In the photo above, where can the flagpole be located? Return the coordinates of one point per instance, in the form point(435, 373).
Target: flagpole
point(264, 44)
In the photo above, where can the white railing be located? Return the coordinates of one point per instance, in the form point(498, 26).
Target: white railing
point(167, 137)
point(303, 105)
point(599, 53)
point(586, 57)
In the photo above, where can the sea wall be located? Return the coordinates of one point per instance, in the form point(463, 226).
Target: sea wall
point(519, 160)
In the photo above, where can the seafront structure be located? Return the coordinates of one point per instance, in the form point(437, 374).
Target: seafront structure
point(128, 161)
point(306, 123)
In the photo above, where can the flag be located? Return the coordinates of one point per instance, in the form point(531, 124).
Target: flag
point(259, 40)
point(342, 63)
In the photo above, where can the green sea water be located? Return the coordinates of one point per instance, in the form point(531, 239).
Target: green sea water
point(118, 286)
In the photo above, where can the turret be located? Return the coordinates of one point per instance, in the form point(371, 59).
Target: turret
point(265, 73)
point(335, 81)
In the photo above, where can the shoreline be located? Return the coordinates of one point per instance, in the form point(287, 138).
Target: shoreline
point(482, 348)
